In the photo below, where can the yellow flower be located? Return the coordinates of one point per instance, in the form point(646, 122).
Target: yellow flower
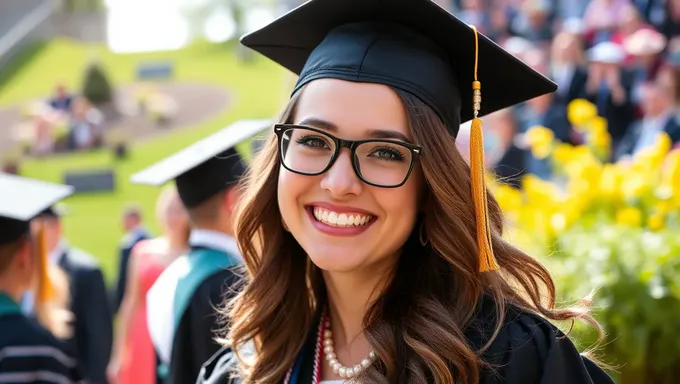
point(663, 143)
point(671, 171)
point(649, 161)
point(563, 153)
point(540, 139)
point(629, 216)
point(610, 180)
point(656, 222)
point(540, 192)
point(598, 125)
point(509, 198)
point(634, 185)
point(580, 111)
point(600, 140)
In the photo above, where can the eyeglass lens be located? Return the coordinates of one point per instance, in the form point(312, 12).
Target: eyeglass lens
point(310, 152)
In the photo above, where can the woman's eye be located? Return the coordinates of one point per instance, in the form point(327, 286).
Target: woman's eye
point(388, 154)
point(311, 141)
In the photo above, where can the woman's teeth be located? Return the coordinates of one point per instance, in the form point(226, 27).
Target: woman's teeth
point(336, 219)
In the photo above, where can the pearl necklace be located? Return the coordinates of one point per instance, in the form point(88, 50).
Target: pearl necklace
point(331, 358)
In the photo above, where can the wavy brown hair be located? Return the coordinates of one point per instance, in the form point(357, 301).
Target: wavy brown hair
point(417, 325)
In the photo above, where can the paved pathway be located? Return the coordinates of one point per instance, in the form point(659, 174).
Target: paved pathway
point(196, 103)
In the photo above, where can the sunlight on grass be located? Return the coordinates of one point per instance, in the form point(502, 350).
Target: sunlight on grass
point(257, 90)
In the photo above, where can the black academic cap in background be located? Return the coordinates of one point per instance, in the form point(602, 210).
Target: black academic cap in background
point(205, 168)
point(412, 45)
point(22, 199)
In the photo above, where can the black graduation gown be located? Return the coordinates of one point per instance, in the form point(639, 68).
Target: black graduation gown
point(194, 341)
point(93, 326)
point(529, 350)
point(29, 353)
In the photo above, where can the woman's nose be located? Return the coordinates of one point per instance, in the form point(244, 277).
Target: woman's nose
point(341, 179)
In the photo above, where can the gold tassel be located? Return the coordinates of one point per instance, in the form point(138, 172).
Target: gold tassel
point(45, 289)
point(487, 260)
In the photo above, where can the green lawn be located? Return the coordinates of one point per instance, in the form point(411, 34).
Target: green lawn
point(94, 222)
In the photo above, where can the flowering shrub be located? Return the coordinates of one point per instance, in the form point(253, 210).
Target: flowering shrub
point(609, 229)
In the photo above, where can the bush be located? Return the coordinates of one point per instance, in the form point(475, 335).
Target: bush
point(96, 85)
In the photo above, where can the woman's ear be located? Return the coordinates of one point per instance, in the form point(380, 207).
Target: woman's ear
point(25, 262)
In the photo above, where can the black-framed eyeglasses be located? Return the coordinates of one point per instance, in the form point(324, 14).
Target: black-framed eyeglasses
point(378, 162)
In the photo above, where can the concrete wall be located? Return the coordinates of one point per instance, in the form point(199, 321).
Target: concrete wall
point(23, 22)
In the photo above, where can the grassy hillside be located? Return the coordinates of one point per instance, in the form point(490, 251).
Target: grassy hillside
point(94, 223)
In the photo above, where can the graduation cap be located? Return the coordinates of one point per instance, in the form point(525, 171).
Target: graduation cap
point(21, 200)
point(205, 168)
point(412, 45)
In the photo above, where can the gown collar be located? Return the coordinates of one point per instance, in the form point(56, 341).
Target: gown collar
point(8, 306)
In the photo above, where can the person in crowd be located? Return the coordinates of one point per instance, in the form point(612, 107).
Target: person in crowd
point(373, 252)
point(670, 26)
point(568, 68)
point(609, 87)
point(133, 360)
point(659, 116)
point(92, 323)
point(86, 124)
point(542, 111)
point(29, 353)
point(181, 304)
point(602, 18)
point(644, 47)
point(669, 78)
point(532, 21)
point(652, 10)
point(61, 100)
point(631, 23)
point(502, 154)
point(133, 225)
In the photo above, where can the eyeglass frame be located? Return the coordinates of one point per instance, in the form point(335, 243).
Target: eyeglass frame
point(416, 152)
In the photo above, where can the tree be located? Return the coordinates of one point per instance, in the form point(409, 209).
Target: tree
point(96, 85)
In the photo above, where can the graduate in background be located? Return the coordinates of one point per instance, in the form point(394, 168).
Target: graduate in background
point(29, 353)
point(89, 302)
point(133, 224)
point(181, 305)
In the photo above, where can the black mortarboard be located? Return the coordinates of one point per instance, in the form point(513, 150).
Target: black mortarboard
point(413, 45)
point(205, 168)
point(21, 200)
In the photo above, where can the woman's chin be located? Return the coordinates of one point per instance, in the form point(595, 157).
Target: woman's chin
point(335, 262)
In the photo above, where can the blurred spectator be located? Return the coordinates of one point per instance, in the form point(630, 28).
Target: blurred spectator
point(92, 327)
point(609, 87)
point(652, 10)
point(670, 26)
point(133, 360)
point(645, 47)
point(602, 17)
point(474, 12)
point(568, 67)
point(133, 225)
point(631, 23)
point(669, 78)
point(506, 159)
point(518, 46)
point(62, 99)
point(86, 125)
point(571, 9)
point(531, 21)
point(44, 135)
point(659, 116)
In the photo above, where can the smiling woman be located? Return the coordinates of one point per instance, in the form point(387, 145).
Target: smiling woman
point(386, 251)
